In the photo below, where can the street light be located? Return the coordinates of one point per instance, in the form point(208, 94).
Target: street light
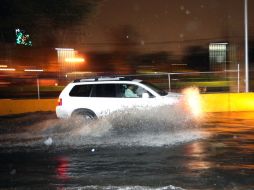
point(74, 60)
point(33, 70)
point(7, 69)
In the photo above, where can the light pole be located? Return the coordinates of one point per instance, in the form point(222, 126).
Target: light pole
point(246, 46)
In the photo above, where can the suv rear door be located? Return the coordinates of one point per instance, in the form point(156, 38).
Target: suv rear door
point(104, 98)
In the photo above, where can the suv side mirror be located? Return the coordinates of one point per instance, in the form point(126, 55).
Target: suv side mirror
point(145, 95)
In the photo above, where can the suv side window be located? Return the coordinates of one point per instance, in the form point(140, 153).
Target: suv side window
point(104, 90)
point(120, 89)
point(137, 91)
point(81, 91)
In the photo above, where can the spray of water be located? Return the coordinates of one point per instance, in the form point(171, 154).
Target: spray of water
point(193, 101)
point(159, 126)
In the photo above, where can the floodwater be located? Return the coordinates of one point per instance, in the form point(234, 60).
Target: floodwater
point(158, 150)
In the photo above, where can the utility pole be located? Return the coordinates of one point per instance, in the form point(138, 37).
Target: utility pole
point(246, 46)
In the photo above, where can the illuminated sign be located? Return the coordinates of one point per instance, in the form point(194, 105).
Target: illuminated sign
point(22, 38)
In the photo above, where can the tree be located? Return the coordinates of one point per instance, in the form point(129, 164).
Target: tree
point(197, 57)
point(45, 20)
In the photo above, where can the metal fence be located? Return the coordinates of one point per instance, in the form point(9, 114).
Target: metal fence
point(207, 82)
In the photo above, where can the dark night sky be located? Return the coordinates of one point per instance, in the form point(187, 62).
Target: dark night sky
point(144, 25)
point(165, 21)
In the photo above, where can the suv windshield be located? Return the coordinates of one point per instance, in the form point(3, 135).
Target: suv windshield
point(155, 88)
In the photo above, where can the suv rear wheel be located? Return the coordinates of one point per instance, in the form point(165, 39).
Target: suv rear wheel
point(84, 113)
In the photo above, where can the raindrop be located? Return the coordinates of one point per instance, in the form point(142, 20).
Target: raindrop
point(181, 35)
point(13, 172)
point(48, 141)
point(136, 7)
point(187, 12)
point(156, 16)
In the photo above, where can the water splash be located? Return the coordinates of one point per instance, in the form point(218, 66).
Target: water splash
point(193, 101)
point(160, 126)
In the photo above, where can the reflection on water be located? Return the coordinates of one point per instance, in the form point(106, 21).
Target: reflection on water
point(62, 168)
point(216, 154)
point(235, 130)
point(196, 150)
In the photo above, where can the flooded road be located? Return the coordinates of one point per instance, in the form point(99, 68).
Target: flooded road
point(38, 151)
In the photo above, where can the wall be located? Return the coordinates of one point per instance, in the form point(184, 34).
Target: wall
point(8, 107)
point(210, 103)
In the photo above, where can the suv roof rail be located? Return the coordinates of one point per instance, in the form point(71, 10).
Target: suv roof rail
point(102, 78)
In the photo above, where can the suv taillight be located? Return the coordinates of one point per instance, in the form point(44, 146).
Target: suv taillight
point(59, 101)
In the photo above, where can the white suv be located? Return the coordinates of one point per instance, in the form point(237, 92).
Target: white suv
point(96, 97)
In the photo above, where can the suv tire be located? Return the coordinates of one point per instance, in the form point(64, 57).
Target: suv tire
point(84, 113)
